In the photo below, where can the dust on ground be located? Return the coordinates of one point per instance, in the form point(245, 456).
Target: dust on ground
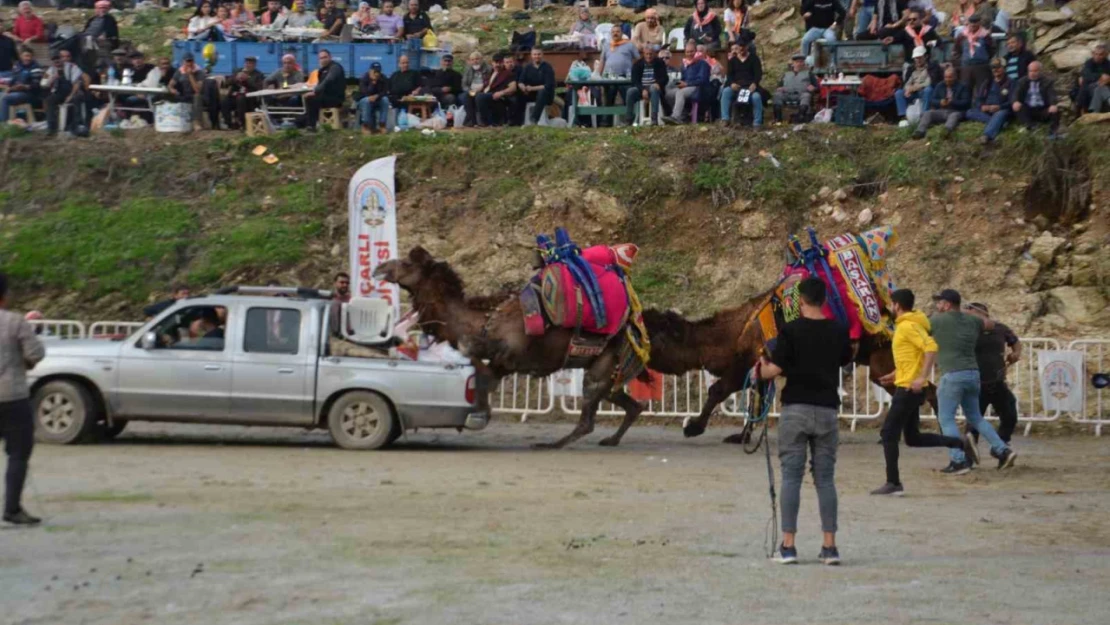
point(198, 524)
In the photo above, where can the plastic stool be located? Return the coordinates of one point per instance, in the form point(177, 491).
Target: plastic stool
point(257, 124)
point(27, 109)
point(331, 117)
point(528, 114)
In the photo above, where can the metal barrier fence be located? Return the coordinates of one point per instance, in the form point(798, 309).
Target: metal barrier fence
point(683, 396)
point(58, 328)
point(113, 328)
point(1096, 358)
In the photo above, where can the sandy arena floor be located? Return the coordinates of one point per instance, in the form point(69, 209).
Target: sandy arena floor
point(206, 525)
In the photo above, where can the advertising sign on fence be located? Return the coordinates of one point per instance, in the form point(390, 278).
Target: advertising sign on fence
point(373, 229)
point(1061, 375)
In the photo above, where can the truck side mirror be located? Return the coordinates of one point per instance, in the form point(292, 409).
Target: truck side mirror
point(150, 340)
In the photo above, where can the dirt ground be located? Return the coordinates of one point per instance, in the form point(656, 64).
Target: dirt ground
point(193, 524)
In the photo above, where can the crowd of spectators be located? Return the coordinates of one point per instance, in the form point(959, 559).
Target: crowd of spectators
point(719, 74)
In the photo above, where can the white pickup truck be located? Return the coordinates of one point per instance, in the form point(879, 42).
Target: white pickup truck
point(246, 356)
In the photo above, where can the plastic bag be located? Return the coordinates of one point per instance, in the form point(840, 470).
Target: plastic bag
point(578, 71)
point(913, 112)
point(431, 42)
point(458, 115)
point(824, 116)
point(435, 122)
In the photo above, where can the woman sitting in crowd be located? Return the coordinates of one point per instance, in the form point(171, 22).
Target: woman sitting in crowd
point(737, 20)
point(363, 19)
point(703, 27)
point(200, 25)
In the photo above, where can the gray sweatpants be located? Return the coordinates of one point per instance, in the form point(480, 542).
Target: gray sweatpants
point(815, 428)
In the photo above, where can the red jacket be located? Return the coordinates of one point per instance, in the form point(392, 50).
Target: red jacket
point(29, 28)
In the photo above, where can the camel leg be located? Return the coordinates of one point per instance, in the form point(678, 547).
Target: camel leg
point(485, 379)
point(632, 410)
point(596, 385)
point(718, 392)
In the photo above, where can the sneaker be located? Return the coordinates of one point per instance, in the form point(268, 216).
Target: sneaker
point(830, 556)
point(985, 140)
point(971, 451)
point(905, 123)
point(1006, 460)
point(889, 489)
point(957, 468)
point(787, 555)
point(21, 518)
point(918, 135)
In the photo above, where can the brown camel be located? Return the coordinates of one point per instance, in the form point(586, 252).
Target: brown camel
point(728, 345)
point(493, 337)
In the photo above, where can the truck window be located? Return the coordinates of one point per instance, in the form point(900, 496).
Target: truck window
point(272, 331)
point(196, 328)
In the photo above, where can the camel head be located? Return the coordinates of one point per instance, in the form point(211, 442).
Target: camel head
point(407, 271)
point(419, 271)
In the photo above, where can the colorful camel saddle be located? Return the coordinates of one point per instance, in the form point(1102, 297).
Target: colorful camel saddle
point(853, 268)
point(588, 291)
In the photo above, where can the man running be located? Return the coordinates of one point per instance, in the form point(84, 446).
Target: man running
point(995, 351)
point(956, 334)
point(810, 352)
point(915, 352)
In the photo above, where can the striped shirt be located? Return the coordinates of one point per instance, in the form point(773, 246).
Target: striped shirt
point(18, 348)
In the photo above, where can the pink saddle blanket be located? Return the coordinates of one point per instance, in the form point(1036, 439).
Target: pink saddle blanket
point(559, 293)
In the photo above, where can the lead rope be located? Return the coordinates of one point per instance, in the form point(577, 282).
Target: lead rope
point(758, 407)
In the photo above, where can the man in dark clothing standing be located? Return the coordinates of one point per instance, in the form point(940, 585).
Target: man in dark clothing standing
point(245, 80)
point(995, 351)
point(329, 92)
point(537, 84)
point(810, 352)
point(20, 350)
point(1035, 100)
point(445, 83)
point(415, 25)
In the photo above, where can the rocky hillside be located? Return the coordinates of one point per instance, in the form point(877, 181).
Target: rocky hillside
point(1022, 227)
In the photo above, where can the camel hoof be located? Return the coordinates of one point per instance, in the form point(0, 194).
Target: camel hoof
point(693, 429)
point(609, 442)
point(736, 439)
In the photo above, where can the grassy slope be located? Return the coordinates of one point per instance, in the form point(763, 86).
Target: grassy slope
point(125, 215)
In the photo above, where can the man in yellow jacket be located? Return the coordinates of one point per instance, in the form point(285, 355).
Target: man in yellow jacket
point(915, 353)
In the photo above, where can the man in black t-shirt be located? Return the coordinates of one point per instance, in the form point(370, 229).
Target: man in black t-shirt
point(993, 359)
point(809, 351)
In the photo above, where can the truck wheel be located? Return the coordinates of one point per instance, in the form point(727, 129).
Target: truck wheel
point(361, 420)
point(64, 413)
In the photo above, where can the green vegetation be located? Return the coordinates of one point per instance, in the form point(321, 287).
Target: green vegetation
point(127, 216)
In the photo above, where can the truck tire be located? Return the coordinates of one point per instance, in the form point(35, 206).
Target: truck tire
point(361, 420)
point(64, 412)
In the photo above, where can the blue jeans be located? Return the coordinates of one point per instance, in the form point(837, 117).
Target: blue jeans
point(863, 20)
point(632, 99)
point(902, 102)
point(995, 121)
point(373, 113)
point(813, 34)
point(961, 388)
point(10, 99)
point(728, 98)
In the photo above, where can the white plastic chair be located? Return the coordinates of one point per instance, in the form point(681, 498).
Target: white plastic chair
point(1002, 21)
point(528, 115)
point(367, 320)
point(602, 33)
point(678, 36)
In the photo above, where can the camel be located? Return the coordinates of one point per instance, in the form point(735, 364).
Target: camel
point(728, 344)
point(492, 335)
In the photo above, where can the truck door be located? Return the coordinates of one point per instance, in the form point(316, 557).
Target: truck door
point(186, 374)
point(272, 366)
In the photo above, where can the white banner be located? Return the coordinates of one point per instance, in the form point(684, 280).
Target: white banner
point(373, 229)
point(1062, 386)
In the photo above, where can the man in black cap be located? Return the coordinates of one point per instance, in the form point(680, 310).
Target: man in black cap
point(373, 101)
point(995, 351)
point(244, 80)
point(957, 334)
point(445, 83)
